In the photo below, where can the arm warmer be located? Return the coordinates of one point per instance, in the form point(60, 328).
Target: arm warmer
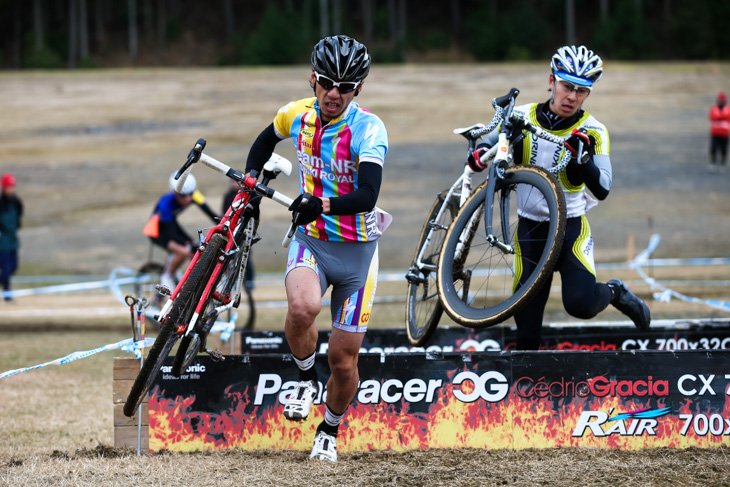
point(369, 176)
point(262, 149)
point(597, 175)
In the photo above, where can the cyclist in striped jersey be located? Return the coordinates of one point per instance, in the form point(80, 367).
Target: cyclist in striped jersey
point(341, 149)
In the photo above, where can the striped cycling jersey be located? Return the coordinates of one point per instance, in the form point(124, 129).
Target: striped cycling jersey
point(329, 158)
point(541, 152)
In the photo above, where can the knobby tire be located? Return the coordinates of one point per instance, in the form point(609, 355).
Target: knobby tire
point(477, 289)
point(165, 341)
point(191, 343)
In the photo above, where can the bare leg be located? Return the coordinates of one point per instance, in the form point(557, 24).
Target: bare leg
point(304, 296)
point(179, 254)
point(342, 354)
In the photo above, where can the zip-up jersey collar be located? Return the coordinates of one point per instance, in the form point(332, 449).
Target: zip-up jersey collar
point(552, 121)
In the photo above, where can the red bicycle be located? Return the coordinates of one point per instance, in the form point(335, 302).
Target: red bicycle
point(214, 279)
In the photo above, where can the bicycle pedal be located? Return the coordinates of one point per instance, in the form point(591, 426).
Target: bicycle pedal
point(256, 239)
point(216, 355)
point(163, 290)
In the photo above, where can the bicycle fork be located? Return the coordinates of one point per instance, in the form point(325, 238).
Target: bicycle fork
point(496, 172)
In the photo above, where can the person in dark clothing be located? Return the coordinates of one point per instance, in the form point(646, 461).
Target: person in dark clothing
point(11, 215)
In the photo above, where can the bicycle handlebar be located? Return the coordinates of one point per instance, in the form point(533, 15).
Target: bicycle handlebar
point(275, 164)
point(503, 105)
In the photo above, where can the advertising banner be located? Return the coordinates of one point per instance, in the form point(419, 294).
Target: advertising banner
point(623, 399)
point(584, 337)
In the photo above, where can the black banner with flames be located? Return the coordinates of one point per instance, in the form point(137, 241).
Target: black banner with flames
point(622, 399)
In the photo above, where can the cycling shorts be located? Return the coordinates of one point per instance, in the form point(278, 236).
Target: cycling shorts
point(351, 268)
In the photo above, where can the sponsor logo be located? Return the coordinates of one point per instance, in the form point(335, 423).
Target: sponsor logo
point(263, 340)
point(598, 386)
point(491, 386)
point(191, 373)
point(197, 368)
point(634, 423)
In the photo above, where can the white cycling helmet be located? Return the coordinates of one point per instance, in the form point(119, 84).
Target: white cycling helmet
point(188, 187)
point(578, 65)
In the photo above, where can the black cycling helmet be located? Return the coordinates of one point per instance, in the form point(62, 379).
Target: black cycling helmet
point(341, 58)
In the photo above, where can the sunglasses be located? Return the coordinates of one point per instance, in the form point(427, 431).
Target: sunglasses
point(570, 87)
point(343, 87)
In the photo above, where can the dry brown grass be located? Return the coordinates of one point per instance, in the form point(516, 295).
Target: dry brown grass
point(570, 467)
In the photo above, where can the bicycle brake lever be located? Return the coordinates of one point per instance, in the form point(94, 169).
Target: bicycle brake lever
point(193, 157)
point(505, 100)
point(292, 228)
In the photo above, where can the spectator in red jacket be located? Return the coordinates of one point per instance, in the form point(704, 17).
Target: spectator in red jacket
point(719, 132)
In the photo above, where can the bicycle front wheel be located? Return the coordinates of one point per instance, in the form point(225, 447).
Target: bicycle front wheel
point(194, 341)
point(478, 274)
point(168, 335)
point(423, 307)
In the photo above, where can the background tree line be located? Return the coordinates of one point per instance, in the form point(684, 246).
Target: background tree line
point(104, 33)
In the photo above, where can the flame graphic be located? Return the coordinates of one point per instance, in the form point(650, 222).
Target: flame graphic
point(515, 422)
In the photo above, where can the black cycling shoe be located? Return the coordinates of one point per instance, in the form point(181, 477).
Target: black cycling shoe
point(630, 305)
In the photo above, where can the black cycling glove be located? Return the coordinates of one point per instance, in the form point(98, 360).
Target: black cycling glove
point(306, 212)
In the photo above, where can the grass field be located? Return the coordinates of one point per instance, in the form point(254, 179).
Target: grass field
point(92, 152)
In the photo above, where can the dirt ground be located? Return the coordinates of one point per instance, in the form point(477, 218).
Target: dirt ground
point(92, 152)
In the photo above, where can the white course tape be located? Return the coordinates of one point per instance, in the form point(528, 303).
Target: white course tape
point(665, 295)
point(64, 288)
point(128, 345)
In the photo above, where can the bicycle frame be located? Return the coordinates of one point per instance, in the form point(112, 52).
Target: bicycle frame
point(250, 189)
point(461, 187)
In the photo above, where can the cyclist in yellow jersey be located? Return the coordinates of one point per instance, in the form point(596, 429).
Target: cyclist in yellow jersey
point(574, 70)
point(341, 149)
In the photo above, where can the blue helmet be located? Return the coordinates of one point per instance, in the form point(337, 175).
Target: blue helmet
point(577, 65)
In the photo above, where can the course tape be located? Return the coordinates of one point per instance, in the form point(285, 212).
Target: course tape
point(65, 288)
point(128, 345)
point(665, 295)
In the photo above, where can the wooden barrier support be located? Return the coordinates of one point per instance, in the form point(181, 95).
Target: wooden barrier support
point(126, 429)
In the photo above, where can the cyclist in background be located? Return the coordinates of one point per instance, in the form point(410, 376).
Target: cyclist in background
point(341, 149)
point(719, 132)
point(164, 230)
point(574, 70)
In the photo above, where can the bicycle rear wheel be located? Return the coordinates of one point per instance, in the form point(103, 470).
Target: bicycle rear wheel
point(477, 286)
point(423, 307)
point(194, 342)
